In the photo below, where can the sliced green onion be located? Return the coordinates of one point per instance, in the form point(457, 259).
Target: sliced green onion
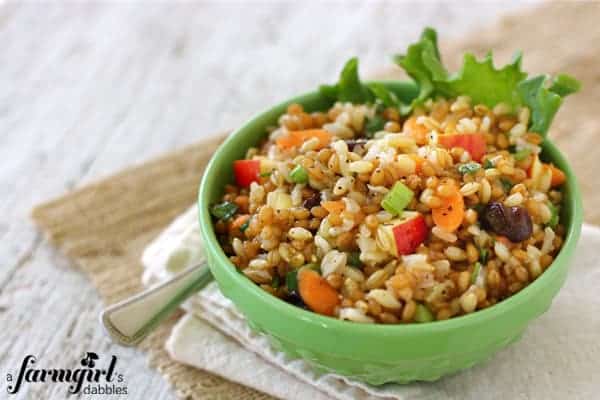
point(291, 281)
point(397, 199)
point(224, 211)
point(475, 273)
point(265, 174)
point(521, 154)
point(373, 125)
point(245, 225)
point(354, 260)
point(487, 164)
point(299, 174)
point(276, 282)
point(423, 314)
point(506, 184)
point(469, 168)
point(555, 217)
point(478, 207)
point(483, 256)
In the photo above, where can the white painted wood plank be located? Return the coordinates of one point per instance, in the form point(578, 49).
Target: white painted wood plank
point(87, 89)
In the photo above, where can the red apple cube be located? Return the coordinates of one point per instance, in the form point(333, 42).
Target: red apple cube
point(409, 234)
point(405, 233)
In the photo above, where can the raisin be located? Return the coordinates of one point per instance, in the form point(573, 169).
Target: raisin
point(312, 201)
point(512, 222)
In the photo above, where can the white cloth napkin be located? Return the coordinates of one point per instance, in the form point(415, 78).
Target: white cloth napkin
point(557, 358)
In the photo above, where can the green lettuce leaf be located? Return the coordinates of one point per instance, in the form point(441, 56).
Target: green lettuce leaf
point(483, 82)
point(564, 85)
point(478, 79)
point(422, 62)
point(544, 102)
point(384, 95)
point(349, 87)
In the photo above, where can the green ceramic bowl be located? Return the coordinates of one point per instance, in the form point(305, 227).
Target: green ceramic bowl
point(378, 353)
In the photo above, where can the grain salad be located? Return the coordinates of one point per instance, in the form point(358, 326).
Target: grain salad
point(378, 210)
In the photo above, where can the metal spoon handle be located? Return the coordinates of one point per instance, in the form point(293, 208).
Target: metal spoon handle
point(131, 320)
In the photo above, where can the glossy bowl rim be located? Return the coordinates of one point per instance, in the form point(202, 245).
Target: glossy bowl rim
point(290, 311)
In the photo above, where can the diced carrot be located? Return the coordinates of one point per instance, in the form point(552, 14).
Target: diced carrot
point(558, 177)
point(288, 141)
point(316, 292)
point(450, 215)
point(418, 161)
point(238, 222)
point(296, 138)
point(334, 207)
point(417, 131)
point(321, 134)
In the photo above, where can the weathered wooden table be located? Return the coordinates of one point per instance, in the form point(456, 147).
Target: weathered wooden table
point(89, 89)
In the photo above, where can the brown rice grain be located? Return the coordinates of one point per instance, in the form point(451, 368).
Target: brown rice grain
point(377, 279)
point(468, 302)
point(388, 318)
point(443, 234)
point(472, 253)
point(463, 281)
point(408, 311)
point(455, 253)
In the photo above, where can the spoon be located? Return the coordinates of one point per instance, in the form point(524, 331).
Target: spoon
point(131, 320)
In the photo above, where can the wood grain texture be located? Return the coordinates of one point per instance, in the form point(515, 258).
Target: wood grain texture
point(105, 226)
point(90, 88)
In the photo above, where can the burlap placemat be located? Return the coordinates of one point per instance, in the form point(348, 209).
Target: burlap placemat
point(104, 226)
